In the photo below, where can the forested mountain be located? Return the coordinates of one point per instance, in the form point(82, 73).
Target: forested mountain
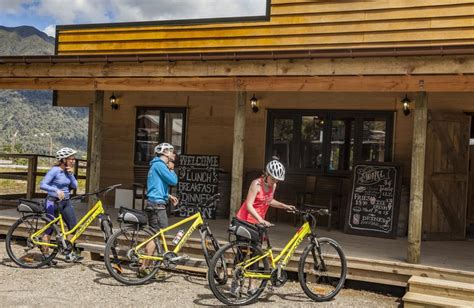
point(29, 122)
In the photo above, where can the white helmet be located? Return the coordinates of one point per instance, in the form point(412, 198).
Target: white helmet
point(276, 170)
point(65, 153)
point(162, 147)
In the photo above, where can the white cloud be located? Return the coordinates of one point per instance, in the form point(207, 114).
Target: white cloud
point(50, 30)
point(13, 6)
point(74, 11)
point(142, 10)
point(104, 11)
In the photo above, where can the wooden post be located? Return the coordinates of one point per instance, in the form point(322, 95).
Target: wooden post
point(420, 119)
point(95, 146)
point(238, 153)
point(31, 178)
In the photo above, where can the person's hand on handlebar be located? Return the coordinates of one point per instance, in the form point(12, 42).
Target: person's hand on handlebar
point(265, 223)
point(290, 208)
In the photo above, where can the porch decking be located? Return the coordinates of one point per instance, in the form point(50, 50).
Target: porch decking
point(369, 259)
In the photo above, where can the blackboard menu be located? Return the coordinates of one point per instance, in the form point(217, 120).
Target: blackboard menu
point(374, 200)
point(198, 180)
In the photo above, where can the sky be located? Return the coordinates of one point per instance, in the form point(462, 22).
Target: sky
point(46, 14)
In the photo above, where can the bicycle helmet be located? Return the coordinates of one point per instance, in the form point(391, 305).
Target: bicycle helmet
point(162, 147)
point(276, 170)
point(65, 153)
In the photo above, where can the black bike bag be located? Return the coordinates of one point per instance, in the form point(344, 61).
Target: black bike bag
point(242, 229)
point(30, 206)
point(131, 216)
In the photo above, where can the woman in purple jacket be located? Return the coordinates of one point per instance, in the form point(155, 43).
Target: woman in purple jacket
point(57, 183)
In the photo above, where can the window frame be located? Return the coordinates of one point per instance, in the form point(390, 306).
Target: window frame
point(163, 112)
point(328, 115)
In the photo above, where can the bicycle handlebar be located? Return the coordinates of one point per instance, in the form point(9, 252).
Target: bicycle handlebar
point(319, 212)
point(104, 190)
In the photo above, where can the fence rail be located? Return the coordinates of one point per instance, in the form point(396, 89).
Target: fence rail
point(33, 170)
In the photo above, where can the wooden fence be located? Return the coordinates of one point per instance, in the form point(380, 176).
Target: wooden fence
point(28, 170)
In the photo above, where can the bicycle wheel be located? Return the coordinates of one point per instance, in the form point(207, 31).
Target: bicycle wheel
point(238, 290)
point(121, 260)
point(209, 247)
point(20, 247)
point(322, 271)
point(106, 228)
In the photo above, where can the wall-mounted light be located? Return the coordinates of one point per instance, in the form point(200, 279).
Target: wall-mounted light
point(406, 105)
point(113, 102)
point(254, 104)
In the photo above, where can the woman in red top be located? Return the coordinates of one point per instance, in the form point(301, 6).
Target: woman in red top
point(260, 195)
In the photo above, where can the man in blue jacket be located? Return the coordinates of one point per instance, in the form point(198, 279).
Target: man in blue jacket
point(160, 176)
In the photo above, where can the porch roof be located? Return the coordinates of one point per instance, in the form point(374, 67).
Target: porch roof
point(384, 71)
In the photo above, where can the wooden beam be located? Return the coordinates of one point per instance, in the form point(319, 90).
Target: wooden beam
point(238, 153)
point(445, 83)
point(420, 120)
point(416, 65)
point(31, 178)
point(96, 143)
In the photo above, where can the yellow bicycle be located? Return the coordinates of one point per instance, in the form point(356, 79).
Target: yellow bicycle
point(134, 265)
point(322, 266)
point(25, 242)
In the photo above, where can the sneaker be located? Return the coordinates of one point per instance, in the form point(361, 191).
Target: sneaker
point(118, 268)
point(143, 272)
point(73, 257)
point(50, 263)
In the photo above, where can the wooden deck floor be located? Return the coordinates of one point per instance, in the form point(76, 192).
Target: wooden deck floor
point(367, 256)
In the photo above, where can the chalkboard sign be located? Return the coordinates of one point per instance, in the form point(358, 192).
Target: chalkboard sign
point(198, 180)
point(374, 200)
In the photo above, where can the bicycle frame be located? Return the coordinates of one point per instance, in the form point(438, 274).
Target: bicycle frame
point(284, 255)
point(198, 221)
point(78, 229)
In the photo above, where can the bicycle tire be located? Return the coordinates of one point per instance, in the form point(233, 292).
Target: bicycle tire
point(107, 229)
point(325, 281)
point(210, 246)
point(112, 249)
point(215, 286)
point(12, 238)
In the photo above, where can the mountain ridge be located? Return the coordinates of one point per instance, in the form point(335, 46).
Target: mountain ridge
point(28, 118)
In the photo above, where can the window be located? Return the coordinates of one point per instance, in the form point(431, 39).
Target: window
point(156, 125)
point(329, 141)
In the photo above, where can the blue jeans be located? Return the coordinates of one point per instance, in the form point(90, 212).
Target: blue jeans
point(66, 210)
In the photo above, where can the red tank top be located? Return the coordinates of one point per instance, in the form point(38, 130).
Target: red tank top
point(260, 204)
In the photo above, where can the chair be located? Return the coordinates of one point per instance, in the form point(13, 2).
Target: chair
point(140, 176)
point(321, 192)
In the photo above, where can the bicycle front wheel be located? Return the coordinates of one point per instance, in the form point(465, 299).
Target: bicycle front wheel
point(238, 290)
point(20, 246)
point(210, 246)
point(122, 261)
point(322, 269)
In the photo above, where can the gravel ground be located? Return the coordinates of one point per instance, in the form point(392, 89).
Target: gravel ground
point(88, 284)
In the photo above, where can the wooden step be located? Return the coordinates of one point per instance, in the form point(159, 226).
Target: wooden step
point(412, 299)
point(442, 287)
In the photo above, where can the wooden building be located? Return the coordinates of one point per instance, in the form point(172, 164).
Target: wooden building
point(329, 77)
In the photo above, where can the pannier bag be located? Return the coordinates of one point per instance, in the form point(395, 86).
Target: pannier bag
point(131, 216)
point(30, 206)
point(242, 229)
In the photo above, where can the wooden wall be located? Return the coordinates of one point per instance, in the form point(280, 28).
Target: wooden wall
point(210, 122)
point(293, 24)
